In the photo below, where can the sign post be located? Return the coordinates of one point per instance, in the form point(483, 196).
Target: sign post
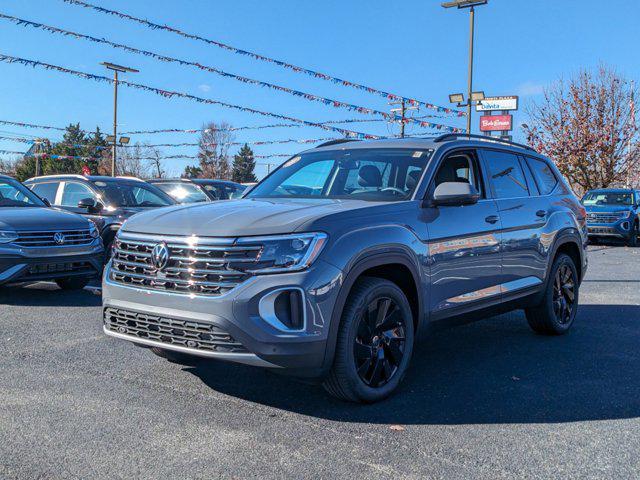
point(503, 122)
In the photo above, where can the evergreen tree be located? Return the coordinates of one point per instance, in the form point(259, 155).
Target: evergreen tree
point(192, 172)
point(244, 165)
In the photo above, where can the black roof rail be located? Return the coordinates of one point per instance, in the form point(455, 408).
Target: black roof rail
point(337, 141)
point(452, 136)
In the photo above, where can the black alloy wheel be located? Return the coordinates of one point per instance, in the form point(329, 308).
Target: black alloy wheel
point(380, 342)
point(564, 294)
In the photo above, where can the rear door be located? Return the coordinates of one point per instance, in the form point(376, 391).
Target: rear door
point(523, 212)
point(464, 242)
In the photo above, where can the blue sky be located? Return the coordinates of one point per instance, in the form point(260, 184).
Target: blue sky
point(413, 48)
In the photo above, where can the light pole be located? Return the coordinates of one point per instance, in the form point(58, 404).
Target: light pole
point(470, 4)
point(116, 69)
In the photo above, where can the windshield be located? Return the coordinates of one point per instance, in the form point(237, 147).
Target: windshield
point(183, 192)
point(130, 194)
point(608, 198)
point(13, 194)
point(368, 174)
point(222, 191)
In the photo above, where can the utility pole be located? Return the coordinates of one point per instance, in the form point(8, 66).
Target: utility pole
point(470, 4)
point(116, 69)
point(401, 111)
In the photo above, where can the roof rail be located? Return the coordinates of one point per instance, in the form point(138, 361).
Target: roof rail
point(62, 175)
point(337, 141)
point(125, 177)
point(452, 136)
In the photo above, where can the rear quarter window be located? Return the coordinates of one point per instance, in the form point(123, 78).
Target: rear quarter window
point(543, 174)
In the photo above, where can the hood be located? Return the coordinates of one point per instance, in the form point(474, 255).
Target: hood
point(607, 208)
point(232, 218)
point(37, 218)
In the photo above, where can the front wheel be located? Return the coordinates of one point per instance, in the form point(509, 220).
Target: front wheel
point(375, 342)
point(557, 310)
point(633, 239)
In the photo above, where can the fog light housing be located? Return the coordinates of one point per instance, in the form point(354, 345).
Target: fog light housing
point(284, 309)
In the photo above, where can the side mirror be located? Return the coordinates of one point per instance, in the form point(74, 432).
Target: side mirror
point(455, 194)
point(90, 204)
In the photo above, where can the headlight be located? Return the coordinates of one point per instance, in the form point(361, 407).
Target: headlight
point(93, 229)
point(8, 236)
point(284, 253)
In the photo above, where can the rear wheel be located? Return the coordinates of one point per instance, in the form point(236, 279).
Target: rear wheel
point(73, 283)
point(176, 357)
point(557, 311)
point(375, 342)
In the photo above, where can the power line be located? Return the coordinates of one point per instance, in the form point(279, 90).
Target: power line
point(256, 56)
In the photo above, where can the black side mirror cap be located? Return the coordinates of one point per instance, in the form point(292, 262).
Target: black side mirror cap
point(454, 194)
point(90, 204)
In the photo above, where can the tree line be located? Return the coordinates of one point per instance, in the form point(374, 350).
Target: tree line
point(138, 160)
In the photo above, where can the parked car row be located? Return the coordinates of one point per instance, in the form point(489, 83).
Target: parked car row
point(334, 265)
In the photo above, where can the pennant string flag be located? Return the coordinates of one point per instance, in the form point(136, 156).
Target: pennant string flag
point(174, 94)
point(307, 96)
point(256, 56)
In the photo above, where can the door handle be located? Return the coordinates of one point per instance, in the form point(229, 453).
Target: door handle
point(492, 219)
point(541, 213)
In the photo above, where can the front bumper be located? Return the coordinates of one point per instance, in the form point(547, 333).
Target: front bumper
point(236, 313)
point(622, 228)
point(29, 264)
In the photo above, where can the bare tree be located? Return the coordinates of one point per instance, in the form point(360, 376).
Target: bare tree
point(588, 126)
point(8, 166)
point(156, 163)
point(138, 160)
point(213, 151)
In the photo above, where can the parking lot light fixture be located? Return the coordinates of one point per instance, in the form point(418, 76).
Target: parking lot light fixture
point(116, 69)
point(470, 4)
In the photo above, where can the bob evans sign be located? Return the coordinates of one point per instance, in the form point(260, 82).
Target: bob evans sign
point(495, 123)
point(490, 104)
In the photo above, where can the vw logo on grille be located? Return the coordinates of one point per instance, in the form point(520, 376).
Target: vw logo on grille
point(59, 238)
point(160, 256)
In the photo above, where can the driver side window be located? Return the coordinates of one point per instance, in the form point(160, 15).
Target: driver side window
point(73, 192)
point(460, 167)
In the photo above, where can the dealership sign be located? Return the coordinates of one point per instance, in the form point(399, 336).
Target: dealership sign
point(496, 123)
point(490, 104)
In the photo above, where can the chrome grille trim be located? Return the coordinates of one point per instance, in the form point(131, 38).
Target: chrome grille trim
point(604, 217)
point(196, 266)
point(196, 336)
point(45, 238)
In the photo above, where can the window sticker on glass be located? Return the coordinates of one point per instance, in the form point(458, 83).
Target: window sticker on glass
point(417, 154)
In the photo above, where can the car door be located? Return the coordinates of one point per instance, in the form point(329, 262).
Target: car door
point(46, 190)
point(71, 193)
point(464, 241)
point(524, 213)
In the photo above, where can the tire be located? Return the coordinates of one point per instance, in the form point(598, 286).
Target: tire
point(632, 241)
point(556, 312)
point(370, 363)
point(176, 357)
point(73, 283)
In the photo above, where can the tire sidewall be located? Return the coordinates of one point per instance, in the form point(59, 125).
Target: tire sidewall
point(548, 301)
point(383, 289)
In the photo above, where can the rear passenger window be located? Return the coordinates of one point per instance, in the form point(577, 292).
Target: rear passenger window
point(506, 175)
point(543, 174)
point(46, 190)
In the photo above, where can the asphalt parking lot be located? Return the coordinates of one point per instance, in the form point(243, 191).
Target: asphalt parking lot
point(487, 400)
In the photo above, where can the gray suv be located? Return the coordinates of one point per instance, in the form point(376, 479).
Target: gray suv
point(337, 262)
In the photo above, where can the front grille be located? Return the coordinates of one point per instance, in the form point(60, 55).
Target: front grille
point(45, 268)
point(183, 333)
point(603, 217)
point(210, 267)
point(48, 239)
